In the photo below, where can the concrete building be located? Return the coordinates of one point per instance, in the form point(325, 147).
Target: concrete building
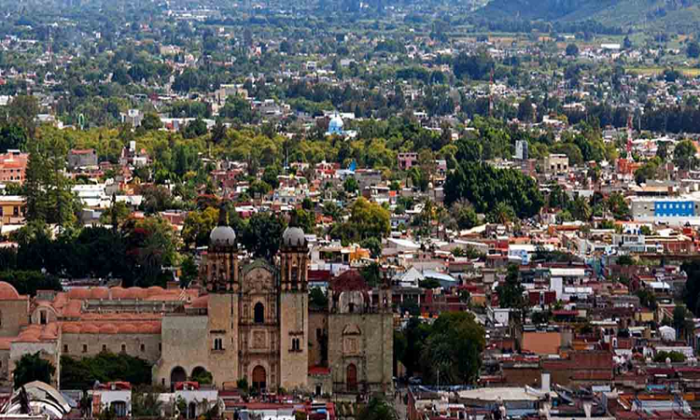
point(555, 164)
point(676, 211)
point(82, 158)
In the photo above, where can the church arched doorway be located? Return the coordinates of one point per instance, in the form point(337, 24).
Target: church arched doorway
point(351, 378)
point(178, 374)
point(259, 378)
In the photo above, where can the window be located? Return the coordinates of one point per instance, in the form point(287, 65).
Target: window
point(123, 348)
point(160, 346)
point(84, 348)
point(218, 344)
point(295, 344)
point(259, 313)
point(42, 317)
point(119, 408)
point(143, 348)
point(65, 348)
point(104, 347)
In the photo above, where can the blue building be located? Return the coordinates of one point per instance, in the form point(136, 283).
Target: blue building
point(674, 208)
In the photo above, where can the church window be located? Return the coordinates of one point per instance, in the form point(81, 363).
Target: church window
point(259, 313)
point(218, 344)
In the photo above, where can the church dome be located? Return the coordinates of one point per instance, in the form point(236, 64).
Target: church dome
point(293, 236)
point(222, 235)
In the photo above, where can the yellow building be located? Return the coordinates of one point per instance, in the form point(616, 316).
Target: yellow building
point(12, 209)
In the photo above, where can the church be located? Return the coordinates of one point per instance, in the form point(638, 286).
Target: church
point(255, 323)
point(245, 320)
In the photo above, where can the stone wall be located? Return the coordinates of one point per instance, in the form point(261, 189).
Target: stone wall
point(223, 324)
point(318, 327)
point(365, 340)
point(185, 342)
point(294, 327)
point(48, 351)
point(144, 346)
point(14, 314)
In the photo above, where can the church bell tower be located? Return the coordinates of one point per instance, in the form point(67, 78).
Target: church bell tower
point(294, 309)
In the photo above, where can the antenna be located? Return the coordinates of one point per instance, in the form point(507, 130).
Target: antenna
point(629, 137)
point(491, 94)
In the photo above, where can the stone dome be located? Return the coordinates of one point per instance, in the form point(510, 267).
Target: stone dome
point(293, 236)
point(8, 292)
point(222, 235)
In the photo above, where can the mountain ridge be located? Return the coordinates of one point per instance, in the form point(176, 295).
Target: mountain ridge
point(679, 15)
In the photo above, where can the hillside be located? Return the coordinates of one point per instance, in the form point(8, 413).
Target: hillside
point(680, 15)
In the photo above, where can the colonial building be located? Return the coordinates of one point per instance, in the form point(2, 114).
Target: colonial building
point(245, 320)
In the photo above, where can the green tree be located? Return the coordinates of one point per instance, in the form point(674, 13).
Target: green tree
point(104, 367)
point(262, 235)
point(485, 186)
point(693, 50)
point(368, 219)
point(270, 176)
point(452, 351)
point(31, 367)
point(572, 50)
point(198, 225)
point(317, 298)
point(510, 292)
point(12, 136)
point(151, 121)
point(49, 198)
point(378, 408)
point(684, 155)
point(259, 189)
point(304, 219)
point(188, 271)
point(580, 209)
point(464, 215)
point(374, 245)
point(679, 318)
point(146, 405)
point(692, 285)
point(501, 214)
point(237, 108)
point(23, 111)
point(350, 185)
point(618, 206)
point(151, 244)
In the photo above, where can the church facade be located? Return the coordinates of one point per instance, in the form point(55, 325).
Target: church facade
point(255, 323)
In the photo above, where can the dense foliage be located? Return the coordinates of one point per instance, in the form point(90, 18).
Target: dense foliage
point(104, 367)
point(485, 187)
point(32, 367)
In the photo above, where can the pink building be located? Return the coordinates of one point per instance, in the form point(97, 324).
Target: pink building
point(13, 165)
point(407, 160)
